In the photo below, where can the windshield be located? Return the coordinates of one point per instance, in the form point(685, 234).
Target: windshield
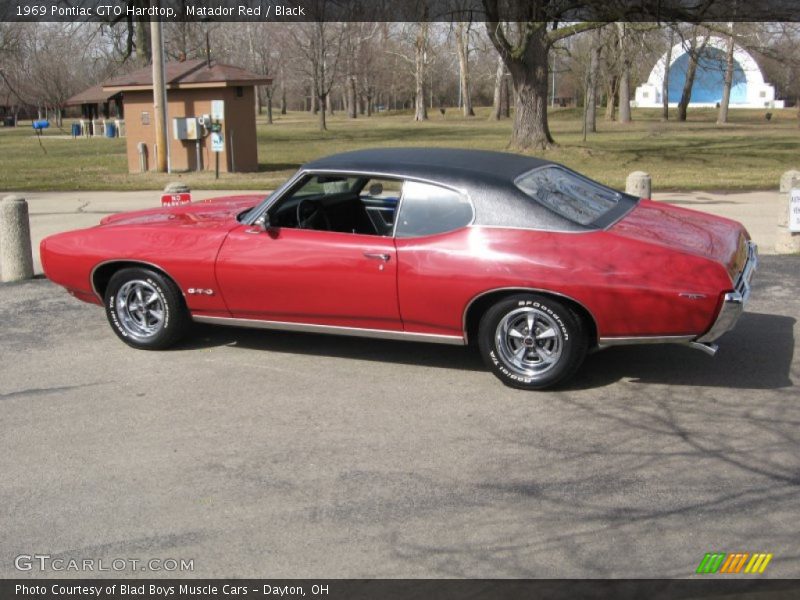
point(568, 194)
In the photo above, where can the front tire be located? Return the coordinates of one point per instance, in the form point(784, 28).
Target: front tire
point(145, 309)
point(532, 342)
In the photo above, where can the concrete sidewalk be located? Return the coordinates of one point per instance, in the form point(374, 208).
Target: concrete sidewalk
point(53, 212)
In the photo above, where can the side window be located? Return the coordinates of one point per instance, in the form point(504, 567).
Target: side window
point(429, 209)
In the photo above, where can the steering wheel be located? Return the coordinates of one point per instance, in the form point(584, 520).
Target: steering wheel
point(315, 217)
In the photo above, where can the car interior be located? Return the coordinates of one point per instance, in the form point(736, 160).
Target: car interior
point(352, 204)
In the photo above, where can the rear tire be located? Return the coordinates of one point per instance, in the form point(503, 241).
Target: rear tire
point(145, 309)
point(532, 342)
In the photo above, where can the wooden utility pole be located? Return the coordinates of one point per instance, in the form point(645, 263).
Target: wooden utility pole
point(159, 94)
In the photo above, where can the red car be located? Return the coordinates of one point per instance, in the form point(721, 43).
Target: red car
point(535, 263)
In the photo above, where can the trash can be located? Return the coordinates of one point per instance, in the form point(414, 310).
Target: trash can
point(111, 130)
point(76, 130)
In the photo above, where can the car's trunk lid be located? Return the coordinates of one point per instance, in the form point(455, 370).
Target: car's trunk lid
point(698, 233)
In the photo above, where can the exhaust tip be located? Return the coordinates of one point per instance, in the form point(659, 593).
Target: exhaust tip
point(710, 349)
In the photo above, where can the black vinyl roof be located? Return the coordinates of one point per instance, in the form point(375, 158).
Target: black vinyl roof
point(487, 178)
point(444, 164)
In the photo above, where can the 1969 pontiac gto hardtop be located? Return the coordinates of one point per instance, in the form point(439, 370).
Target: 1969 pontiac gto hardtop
point(532, 261)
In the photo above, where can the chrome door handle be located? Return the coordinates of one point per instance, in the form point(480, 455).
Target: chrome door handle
point(377, 256)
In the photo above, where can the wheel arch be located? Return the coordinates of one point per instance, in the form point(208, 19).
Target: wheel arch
point(479, 304)
point(103, 272)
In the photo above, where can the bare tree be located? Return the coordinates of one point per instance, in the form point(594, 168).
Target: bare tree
point(591, 83)
point(320, 44)
point(695, 49)
point(462, 30)
point(498, 89)
point(624, 74)
point(665, 82)
point(420, 64)
point(722, 115)
point(526, 55)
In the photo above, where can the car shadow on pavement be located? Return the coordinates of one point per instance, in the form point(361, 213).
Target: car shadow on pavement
point(388, 351)
point(757, 354)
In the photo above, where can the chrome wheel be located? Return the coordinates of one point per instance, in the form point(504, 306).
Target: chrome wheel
point(529, 341)
point(140, 309)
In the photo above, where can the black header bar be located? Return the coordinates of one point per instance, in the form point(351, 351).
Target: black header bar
point(399, 10)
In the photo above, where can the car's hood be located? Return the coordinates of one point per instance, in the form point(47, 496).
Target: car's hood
point(204, 212)
point(685, 230)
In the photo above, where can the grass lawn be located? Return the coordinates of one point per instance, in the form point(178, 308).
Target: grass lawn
point(748, 153)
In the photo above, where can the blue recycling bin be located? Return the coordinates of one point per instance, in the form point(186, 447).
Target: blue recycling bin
point(111, 130)
point(76, 130)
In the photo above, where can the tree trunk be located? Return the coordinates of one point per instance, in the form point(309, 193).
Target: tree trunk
point(369, 105)
point(624, 77)
point(352, 98)
point(269, 107)
point(691, 71)
point(420, 52)
point(665, 83)
point(143, 53)
point(462, 45)
point(591, 85)
point(498, 89)
point(611, 99)
point(506, 97)
point(257, 94)
point(283, 98)
point(722, 116)
point(530, 129)
point(323, 125)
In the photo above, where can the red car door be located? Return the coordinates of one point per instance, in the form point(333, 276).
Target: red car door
point(310, 276)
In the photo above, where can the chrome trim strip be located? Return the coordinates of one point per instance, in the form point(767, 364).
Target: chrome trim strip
point(135, 261)
point(384, 334)
point(520, 289)
point(607, 342)
point(270, 201)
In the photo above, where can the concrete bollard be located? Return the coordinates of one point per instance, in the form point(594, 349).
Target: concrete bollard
point(16, 257)
point(787, 242)
point(176, 187)
point(638, 184)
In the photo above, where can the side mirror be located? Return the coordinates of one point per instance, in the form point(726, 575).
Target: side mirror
point(263, 222)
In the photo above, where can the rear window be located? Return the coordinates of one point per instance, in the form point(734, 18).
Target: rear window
point(568, 194)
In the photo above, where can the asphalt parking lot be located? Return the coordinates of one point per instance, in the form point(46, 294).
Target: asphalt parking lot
point(272, 454)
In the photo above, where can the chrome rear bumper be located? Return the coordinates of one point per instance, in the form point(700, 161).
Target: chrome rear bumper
point(733, 303)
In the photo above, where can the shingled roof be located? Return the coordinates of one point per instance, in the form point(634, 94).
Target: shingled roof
point(196, 73)
point(92, 95)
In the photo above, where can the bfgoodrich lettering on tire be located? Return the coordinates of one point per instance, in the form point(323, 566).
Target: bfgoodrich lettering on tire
point(145, 309)
point(532, 342)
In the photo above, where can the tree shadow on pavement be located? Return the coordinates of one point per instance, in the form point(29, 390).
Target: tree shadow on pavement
point(757, 354)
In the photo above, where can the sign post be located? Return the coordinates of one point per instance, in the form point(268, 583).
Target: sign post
point(217, 139)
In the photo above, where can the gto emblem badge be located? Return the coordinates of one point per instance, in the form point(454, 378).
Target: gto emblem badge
point(692, 295)
point(201, 291)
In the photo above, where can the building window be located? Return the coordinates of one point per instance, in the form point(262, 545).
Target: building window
point(239, 91)
point(145, 118)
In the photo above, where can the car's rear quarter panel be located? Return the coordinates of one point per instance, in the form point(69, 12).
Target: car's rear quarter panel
point(630, 287)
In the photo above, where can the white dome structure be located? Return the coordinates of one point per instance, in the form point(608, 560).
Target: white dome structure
point(748, 88)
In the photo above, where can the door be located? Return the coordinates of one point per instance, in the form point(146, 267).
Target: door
point(310, 276)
